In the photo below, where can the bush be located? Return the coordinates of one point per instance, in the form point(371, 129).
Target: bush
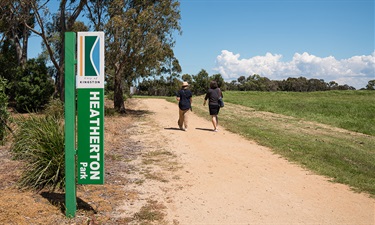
point(39, 142)
point(110, 95)
point(55, 108)
point(34, 87)
point(4, 114)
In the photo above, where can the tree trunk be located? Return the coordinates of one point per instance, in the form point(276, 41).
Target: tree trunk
point(60, 71)
point(118, 93)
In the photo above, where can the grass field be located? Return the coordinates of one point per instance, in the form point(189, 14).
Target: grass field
point(331, 133)
point(352, 110)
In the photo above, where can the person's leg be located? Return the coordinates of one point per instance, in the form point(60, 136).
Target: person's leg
point(180, 118)
point(186, 118)
point(214, 121)
point(217, 118)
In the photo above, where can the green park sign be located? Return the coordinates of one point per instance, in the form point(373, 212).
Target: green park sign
point(84, 128)
point(90, 107)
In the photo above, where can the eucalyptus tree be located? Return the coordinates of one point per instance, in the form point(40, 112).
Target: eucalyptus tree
point(370, 85)
point(139, 40)
point(64, 20)
point(220, 81)
point(188, 78)
point(19, 18)
point(15, 19)
point(201, 82)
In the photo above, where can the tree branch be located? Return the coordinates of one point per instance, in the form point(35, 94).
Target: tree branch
point(42, 35)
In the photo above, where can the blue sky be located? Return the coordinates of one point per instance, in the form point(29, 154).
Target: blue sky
point(324, 39)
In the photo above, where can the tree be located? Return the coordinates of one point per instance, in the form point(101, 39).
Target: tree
point(65, 21)
point(140, 40)
point(241, 79)
point(232, 86)
point(188, 78)
point(317, 85)
point(96, 13)
point(296, 84)
point(201, 82)
point(8, 65)
point(15, 21)
point(220, 81)
point(370, 85)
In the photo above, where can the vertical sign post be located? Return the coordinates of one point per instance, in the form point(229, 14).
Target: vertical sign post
point(90, 105)
point(70, 111)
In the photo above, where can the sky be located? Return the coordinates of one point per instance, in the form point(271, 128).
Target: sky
point(331, 40)
point(323, 39)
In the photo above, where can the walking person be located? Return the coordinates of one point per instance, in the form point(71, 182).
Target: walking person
point(213, 95)
point(184, 98)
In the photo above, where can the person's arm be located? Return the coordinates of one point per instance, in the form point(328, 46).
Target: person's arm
point(205, 99)
point(178, 96)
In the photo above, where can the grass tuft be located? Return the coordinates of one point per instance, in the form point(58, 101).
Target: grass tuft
point(39, 142)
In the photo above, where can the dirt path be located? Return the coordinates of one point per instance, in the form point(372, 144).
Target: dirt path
point(227, 179)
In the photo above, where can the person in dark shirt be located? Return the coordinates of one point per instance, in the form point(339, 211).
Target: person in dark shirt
point(184, 98)
point(213, 95)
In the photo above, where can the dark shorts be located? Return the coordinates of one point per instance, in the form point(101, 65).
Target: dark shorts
point(214, 109)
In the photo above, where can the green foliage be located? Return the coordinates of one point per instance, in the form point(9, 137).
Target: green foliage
point(301, 84)
point(140, 41)
point(219, 80)
point(161, 87)
point(34, 87)
point(4, 114)
point(8, 65)
point(201, 82)
point(39, 143)
point(168, 87)
point(110, 95)
point(371, 85)
point(55, 108)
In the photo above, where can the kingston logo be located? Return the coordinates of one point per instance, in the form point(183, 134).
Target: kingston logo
point(90, 56)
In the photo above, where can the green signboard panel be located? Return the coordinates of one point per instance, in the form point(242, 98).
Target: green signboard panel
point(90, 135)
point(90, 107)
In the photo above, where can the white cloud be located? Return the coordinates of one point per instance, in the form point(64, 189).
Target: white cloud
point(355, 71)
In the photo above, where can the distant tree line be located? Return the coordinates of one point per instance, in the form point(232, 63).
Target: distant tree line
point(301, 84)
point(199, 84)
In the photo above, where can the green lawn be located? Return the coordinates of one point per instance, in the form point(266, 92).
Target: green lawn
point(352, 110)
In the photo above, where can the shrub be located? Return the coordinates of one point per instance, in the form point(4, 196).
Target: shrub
point(34, 87)
point(39, 142)
point(4, 114)
point(55, 108)
point(110, 95)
